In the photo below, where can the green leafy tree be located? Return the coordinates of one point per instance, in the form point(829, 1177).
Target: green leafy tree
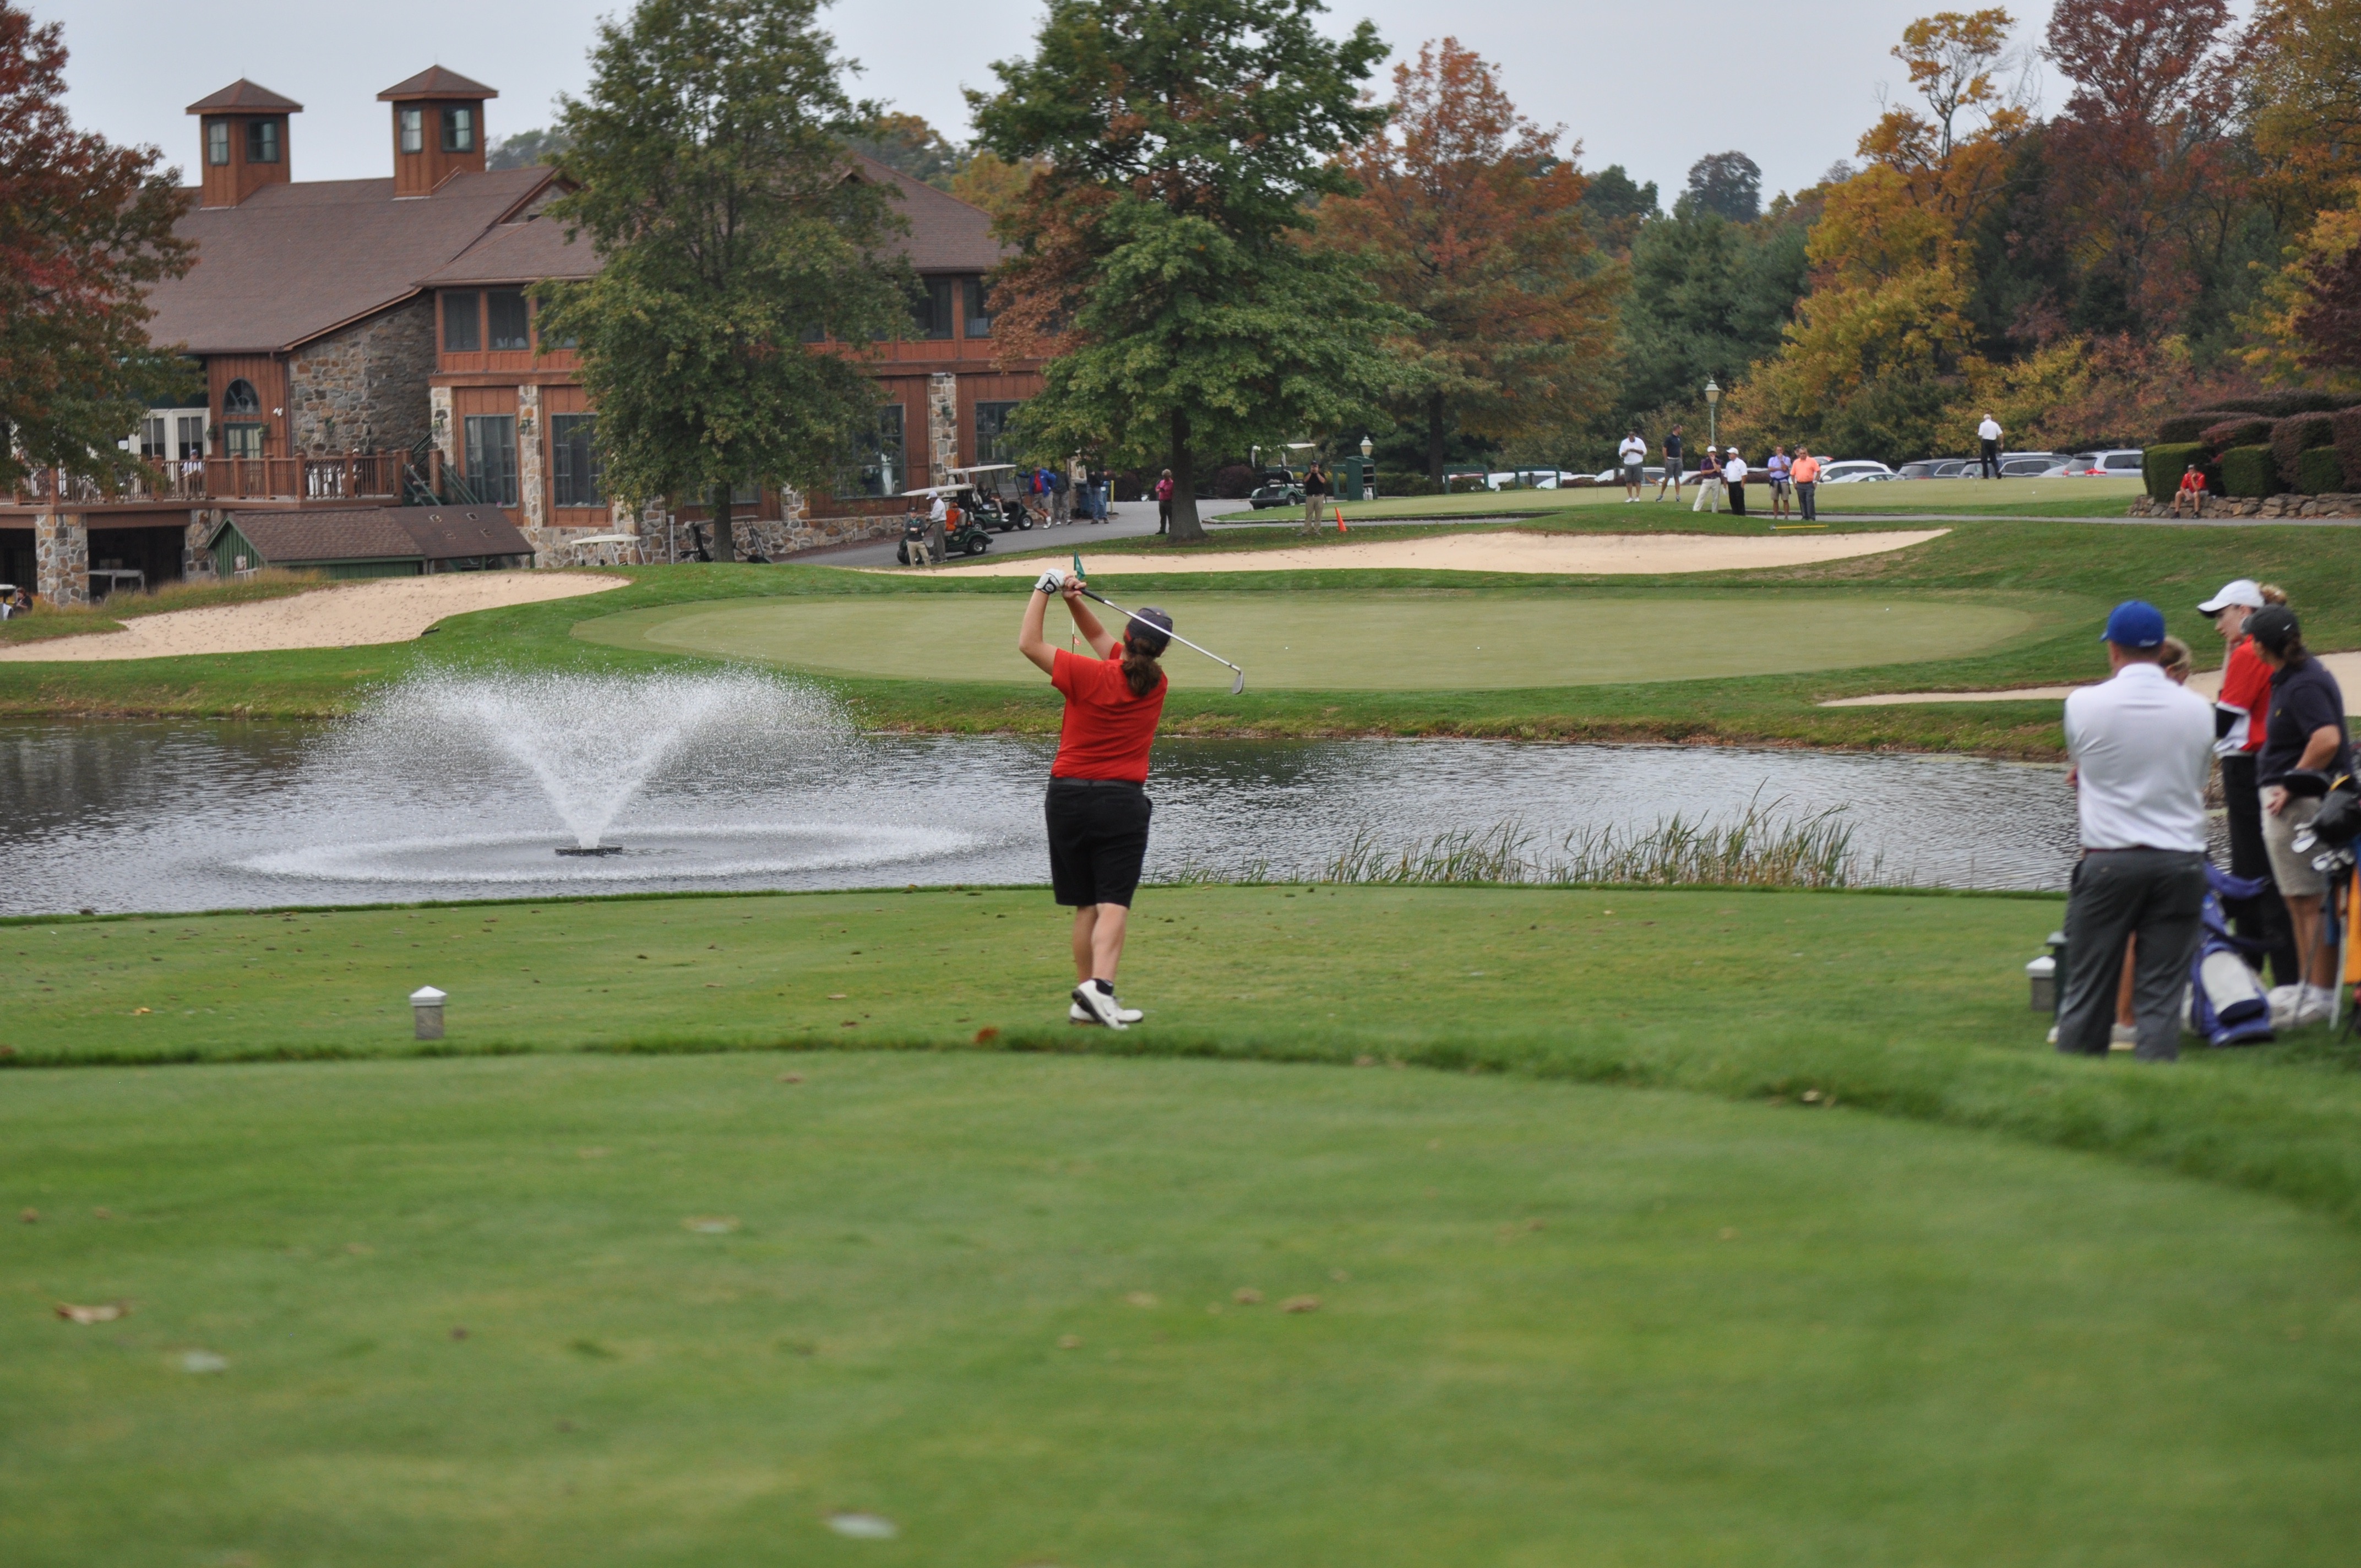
point(1709, 297)
point(908, 143)
point(85, 228)
point(711, 175)
point(1162, 255)
point(526, 149)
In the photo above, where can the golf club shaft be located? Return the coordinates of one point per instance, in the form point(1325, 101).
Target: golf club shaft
point(1153, 627)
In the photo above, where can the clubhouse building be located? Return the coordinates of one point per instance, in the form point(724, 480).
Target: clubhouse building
point(370, 348)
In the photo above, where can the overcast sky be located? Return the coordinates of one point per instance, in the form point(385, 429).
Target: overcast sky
point(1653, 89)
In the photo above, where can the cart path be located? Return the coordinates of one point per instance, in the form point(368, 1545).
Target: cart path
point(338, 615)
point(1577, 555)
point(2345, 667)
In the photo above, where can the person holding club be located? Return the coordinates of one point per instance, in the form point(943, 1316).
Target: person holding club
point(1097, 808)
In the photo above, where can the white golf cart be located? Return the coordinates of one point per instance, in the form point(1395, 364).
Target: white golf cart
point(995, 496)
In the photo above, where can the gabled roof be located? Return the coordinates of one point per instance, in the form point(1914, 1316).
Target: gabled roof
point(296, 260)
point(526, 251)
point(947, 235)
point(249, 96)
point(379, 533)
point(436, 82)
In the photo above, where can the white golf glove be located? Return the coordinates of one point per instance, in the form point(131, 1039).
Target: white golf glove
point(1052, 581)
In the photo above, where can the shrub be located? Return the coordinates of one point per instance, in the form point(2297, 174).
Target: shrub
point(1234, 482)
point(2164, 465)
point(2319, 471)
point(2294, 436)
point(2282, 405)
point(2238, 430)
point(2346, 427)
point(2191, 427)
point(2250, 471)
point(1404, 482)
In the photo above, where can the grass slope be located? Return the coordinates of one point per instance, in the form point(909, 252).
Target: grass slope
point(1997, 562)
point(464, 1321)
point(1912, 1004)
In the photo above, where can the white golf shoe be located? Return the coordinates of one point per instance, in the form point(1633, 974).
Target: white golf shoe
point(1093, 1005)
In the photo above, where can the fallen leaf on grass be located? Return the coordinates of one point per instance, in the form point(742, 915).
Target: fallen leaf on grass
point(1069, 1341)
point(1245, 1296)
point(711, 1224)
point(1299, 1304)
point(102, 1213)
point(791, 1078)
point(30, 1216)
point(1728, 1234)
point(102, 1312)
point(986, 1034)
point(836, 996)
point(458, 1334)
point(136, 1011)
point(1141, 1299)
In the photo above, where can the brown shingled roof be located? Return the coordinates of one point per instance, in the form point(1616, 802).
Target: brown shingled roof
point(293, 261)
point(522, 252)
point(381, 534)
point(947, 235)
point(244, 95)
point(436, 82)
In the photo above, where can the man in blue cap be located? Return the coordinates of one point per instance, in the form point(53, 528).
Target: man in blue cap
point(2142, 748)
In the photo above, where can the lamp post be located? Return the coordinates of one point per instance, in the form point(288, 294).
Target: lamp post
point(1712, 409)
point(1369, 469)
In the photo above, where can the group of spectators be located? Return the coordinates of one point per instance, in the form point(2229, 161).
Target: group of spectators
point(1074, 493)
point(1721, 473)
point(2143, 747)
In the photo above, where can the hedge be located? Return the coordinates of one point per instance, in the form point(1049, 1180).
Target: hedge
point(2294, 436)
point(2238, 430)
point(2190, 427)
point(2250, 471)
point(2319, 471)
point(2162, 466)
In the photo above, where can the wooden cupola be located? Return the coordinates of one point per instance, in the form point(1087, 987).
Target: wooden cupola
point(243, 141)
point(438, 129)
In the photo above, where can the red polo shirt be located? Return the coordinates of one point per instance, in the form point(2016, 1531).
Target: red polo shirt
point(1107, 730)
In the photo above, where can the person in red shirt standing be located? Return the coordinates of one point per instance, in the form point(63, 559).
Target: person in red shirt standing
point(2241, 711)
point(1098, 808)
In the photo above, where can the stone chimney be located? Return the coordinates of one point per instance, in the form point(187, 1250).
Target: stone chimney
point(438, 129)
point(241, 142)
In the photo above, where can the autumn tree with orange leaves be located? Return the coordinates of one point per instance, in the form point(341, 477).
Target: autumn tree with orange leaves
point(84, 226)
point(1469, 219)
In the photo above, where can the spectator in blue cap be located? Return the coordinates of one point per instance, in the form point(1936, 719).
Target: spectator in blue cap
point(2142, 748)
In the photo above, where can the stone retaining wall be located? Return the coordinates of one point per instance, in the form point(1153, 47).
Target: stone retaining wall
point(2330, 505)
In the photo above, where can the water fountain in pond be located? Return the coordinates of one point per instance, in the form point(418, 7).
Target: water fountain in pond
point(630, 765)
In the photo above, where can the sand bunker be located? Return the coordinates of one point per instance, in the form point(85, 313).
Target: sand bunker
point(1574, 555)
point(2345, 667)
point(378, 609)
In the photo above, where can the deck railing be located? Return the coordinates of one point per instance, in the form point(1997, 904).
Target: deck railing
point(351, 476)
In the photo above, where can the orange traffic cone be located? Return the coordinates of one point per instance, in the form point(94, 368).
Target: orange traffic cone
point(1340, 520)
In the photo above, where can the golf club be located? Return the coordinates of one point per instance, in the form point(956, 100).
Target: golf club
point(1236, 686)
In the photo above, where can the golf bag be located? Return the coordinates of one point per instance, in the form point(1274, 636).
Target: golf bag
point(2226, 1004)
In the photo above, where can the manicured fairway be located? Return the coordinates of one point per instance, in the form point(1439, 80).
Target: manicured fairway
point(994, 1301)
point(1368, 641)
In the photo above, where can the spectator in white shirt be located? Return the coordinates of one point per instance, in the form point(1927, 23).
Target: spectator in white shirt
point(1733, 479)
point(1988, 432)
point(1633, 456)
point(2142, 748)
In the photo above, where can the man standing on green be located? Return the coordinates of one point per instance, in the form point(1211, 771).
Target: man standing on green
point(1672, 466)
point(1315, 496)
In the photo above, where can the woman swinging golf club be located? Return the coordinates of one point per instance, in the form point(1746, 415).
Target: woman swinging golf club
point(1097, 808)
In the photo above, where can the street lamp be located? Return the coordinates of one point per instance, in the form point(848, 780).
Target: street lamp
point(1369, 449)
point(1712, 407)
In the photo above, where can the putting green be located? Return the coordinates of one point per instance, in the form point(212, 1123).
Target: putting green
point(1408, 640)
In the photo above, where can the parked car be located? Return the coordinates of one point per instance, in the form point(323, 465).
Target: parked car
point(1649, 474)
point(1855, 471)
point(2030, 465)
point(1937, 469)
point(2114, 463)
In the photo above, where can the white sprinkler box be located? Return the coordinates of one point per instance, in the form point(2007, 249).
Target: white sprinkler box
point(2043, 974)
point(426, 1009)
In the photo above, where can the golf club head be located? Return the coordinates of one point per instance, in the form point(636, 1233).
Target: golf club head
point(1239, 685)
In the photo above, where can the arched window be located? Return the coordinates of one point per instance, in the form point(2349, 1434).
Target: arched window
point(240, 398)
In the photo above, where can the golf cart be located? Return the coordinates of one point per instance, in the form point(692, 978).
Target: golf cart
point(993, 495)
point(964, 532)
point(1277, 488)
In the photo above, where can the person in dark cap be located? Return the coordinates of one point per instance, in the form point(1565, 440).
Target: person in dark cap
point(2305, 734)
point(1098, 808)
point(2143, 747)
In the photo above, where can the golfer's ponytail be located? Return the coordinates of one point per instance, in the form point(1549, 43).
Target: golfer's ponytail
point(1140, 670)
point(2272, 594)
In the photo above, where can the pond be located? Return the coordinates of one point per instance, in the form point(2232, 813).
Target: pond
point(119, 815)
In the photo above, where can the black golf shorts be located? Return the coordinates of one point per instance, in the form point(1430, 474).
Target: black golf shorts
point(1098, 839)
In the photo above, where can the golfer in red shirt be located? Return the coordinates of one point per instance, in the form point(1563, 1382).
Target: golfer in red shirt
point(1098, 807)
